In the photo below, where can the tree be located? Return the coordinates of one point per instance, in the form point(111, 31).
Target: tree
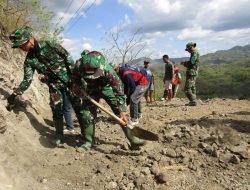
point(19, 13)
point(124, 47)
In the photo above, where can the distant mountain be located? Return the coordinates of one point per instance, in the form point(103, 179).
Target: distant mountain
point(174, 60)
point(237, 53)
point(140, 61)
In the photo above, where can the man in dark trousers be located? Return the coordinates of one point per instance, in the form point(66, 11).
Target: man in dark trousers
point(49, 59)
point(192, 72)
point(135, 85)
point(168, 77)
point(93, 74)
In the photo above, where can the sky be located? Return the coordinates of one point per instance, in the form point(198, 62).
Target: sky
point(165, 25)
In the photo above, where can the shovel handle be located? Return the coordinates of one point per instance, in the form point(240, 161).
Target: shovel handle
point(107, 111)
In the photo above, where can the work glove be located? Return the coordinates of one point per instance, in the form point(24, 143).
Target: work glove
point(11, 102)
point(11, 98)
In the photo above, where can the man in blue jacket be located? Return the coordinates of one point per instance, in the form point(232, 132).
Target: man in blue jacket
point(135, 85)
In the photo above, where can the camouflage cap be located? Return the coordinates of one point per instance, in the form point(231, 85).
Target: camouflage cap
point(84, 52)
point(190, 45)
point(92, 64)
point(20, 36)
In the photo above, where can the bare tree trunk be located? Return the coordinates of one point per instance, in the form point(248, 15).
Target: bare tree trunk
point(128, 47)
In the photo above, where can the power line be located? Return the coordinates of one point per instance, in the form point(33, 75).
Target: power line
point(67, 9)
point(75, 14)
point(80, 16)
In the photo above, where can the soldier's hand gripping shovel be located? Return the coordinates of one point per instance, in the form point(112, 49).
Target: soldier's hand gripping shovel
point(139, 132)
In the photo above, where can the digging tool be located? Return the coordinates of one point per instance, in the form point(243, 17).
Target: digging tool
point(139, 132)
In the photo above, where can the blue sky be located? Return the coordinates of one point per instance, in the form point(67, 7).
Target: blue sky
point(165, 25)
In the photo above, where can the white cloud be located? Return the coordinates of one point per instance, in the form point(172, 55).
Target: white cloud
point(85, 39)
point(72, 46)
point(127, 20)
point(227, 35)
point(207, 22)
point(168, 25)
point(122, 25)
point(234, 34)
point(75, 47)
point(167, 7)
point(82, 14)
point(193, 33)
point(86, 46)
point(151, 38)
point(163, 15)
point(155, 35)
point(77, 8)
point(99, 26)
point(69, 44)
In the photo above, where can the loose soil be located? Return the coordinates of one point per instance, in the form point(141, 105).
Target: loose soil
point(202, 147)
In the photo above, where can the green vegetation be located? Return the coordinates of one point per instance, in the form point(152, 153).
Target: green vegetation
point(19, 13)
point(223, 74)
point(214, 80)
point(235, 54)
point(159, 86)
point(224, 80)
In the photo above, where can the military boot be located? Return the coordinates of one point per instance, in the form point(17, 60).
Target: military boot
point(135, 142)
point(81, 123)
point(189, 96)
point(88, 134)
point(192, 103)
point(59, 131)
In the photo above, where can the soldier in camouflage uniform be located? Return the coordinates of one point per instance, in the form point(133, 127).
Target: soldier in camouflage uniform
point(99, 80)
point(192, 72)
point(47, 58)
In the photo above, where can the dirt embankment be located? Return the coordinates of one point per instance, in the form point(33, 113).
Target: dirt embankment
point(203, 147)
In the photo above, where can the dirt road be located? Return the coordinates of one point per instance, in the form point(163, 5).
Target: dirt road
point(203, 147)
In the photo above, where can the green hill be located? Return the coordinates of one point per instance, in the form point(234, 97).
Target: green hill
point(225, 80)
point(235, 54)
point(223, 74)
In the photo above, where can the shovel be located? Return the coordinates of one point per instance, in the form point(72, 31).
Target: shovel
point(139, 132)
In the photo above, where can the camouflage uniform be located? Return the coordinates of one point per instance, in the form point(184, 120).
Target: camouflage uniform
point(99, 80)
point(48, 57)
point(191, 74)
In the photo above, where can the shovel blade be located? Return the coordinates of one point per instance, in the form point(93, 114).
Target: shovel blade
point(10, 107)
point(144, 134)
